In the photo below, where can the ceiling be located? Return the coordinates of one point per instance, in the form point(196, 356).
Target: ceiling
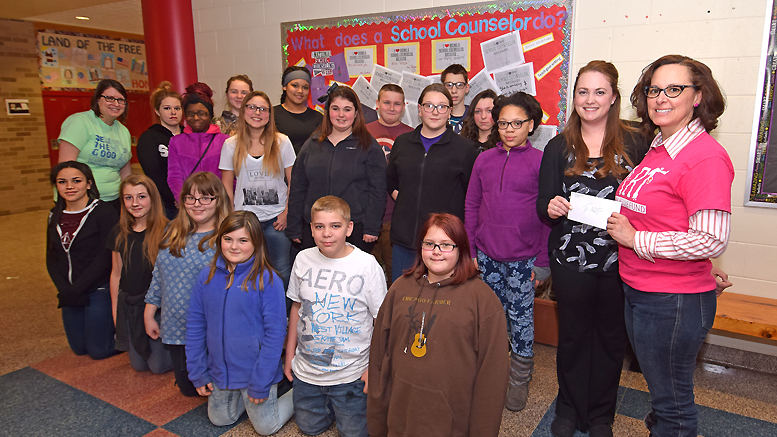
point(119, 16)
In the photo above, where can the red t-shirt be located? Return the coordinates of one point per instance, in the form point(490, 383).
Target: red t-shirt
point(385, 136)
point(659, 196)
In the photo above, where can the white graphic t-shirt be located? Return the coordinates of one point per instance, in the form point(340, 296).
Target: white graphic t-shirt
point(257, 190)
point(339, 300)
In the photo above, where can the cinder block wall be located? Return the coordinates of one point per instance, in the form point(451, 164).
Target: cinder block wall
point(24, 156)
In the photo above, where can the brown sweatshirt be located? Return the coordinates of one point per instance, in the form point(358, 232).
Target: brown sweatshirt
point(458, 387)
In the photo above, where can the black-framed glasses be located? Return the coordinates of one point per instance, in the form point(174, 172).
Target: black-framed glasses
point(516, 124)
point(254, 108)
point(111, 99)
point(458, 85)
point(204, 200)
point(430, 107)
point(671, 91)
point(444, 247)
point(200, 114)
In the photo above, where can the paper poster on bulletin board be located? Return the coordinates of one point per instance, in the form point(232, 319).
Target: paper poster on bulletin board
point(508, 47)
point(70, 60)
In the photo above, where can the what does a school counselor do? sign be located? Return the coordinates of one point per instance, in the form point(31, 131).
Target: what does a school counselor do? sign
point(508, 47)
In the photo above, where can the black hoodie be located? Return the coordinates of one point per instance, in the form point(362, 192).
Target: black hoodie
point(152, 155)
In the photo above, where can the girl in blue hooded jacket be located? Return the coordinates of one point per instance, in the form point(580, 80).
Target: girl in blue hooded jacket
point(236, 328)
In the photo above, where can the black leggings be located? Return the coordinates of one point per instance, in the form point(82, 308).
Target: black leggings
point(178, 355)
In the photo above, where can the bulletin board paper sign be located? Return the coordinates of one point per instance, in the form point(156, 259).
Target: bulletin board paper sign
point(366, 93)
point(318, 87)
point(518, 78)
point(301, 63)
point(556, 61)
point(413, 85)
point(450, 51)
point(402, 57)
point(360, 60)
point(537, 42)
point(542, 135)
point(545, 116)
point(411, 117)
point(502, 52)
point(340, 72)
point(592, 210)
point(435, 78)
point(479, 83)
point(382, 75)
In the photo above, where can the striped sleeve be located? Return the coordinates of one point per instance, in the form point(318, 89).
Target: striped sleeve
point(707, 237)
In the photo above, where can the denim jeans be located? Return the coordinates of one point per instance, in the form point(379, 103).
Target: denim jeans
point(317, 407)
point(89, 329)
point(511, 281)
point(226, 406)
point(158, 362)
point(667, 331)
point(402, 259)
point(279, 247)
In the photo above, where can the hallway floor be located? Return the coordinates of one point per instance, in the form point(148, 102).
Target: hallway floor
point(47, 390)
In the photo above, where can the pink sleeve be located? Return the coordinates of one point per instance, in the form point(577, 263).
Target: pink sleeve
point(472, 208)
point(707, 237)
point(175, 176)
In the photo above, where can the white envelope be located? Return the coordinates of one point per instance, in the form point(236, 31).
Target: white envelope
point(592, 210)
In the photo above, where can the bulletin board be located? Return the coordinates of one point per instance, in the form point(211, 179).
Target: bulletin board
point(508, 47)
point(762, 165)
point(76, 61)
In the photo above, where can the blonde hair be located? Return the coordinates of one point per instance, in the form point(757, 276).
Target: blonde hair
point(155, 220)
point(183, 226)
point(272, 153)
point(331, 204)
point(162, 91)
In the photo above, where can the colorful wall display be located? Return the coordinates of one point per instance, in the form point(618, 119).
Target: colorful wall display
point(76, 61)
point(508, 47)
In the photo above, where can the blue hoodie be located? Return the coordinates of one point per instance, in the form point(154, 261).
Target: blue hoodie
point(234, 338)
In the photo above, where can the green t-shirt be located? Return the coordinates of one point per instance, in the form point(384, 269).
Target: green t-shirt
point(105, 149)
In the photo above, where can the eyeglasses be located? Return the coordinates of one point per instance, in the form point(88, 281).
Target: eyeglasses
point(204, 200)
point(458, 85)
point(200, 114)
point(430, 107)
point(444, 247)
point(111, 99)
point(516, 124)
point(671, 91)
point(254, 108)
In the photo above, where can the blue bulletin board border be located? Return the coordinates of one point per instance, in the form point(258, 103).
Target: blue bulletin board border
point(452, 12)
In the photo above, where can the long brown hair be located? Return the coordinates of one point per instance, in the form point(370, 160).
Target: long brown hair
point(470, 129)
point(182, 227)
point(233, 222)
point(612, 144)
point(155, 220)
point(712, 102)
point(359, 129)
point(454, 229)
point(272, 153)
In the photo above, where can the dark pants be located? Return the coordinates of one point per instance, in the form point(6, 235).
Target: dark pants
point(178, 355)
point(356, 237)
point(592, 338)
point(89, 329)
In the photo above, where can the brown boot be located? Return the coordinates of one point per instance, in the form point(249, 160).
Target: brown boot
point(521, 369)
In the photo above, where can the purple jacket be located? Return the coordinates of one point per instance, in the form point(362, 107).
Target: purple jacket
point(499, 212)
point(185, 150)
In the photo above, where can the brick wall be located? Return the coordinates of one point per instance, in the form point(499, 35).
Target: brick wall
point(24, 154)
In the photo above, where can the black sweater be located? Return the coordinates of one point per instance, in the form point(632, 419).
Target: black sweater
point(348, 171)
point(152, 155)
point(428, 182)
point(90, 258)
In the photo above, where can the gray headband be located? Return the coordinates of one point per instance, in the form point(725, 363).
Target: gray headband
point(297, 74)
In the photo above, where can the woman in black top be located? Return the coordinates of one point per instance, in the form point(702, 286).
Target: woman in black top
point(153, 143)
point(78, 260)
point(342, 159)
point(592, 155)
point(428, 172)
point(293, 117)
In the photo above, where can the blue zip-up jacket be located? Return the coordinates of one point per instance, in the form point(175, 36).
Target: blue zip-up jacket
point(234, 338)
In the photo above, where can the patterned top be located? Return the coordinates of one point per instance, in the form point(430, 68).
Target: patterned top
point(172, 284)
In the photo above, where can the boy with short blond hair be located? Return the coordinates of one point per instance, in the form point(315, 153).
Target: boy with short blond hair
point(337, 290)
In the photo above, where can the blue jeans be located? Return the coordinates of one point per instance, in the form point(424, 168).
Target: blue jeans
point(89, 329)
point(402, 259)
point(317, 407)
point(158, 362)
point(667, 331)
point(278, 246)
point(511, 281)
point(226, 406)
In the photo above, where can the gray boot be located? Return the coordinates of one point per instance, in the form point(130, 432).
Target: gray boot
point(521, 369)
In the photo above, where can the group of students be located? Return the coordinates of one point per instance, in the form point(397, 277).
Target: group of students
point(463, 232)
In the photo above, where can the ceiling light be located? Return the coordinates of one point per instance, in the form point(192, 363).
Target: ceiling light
point(80, 17)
